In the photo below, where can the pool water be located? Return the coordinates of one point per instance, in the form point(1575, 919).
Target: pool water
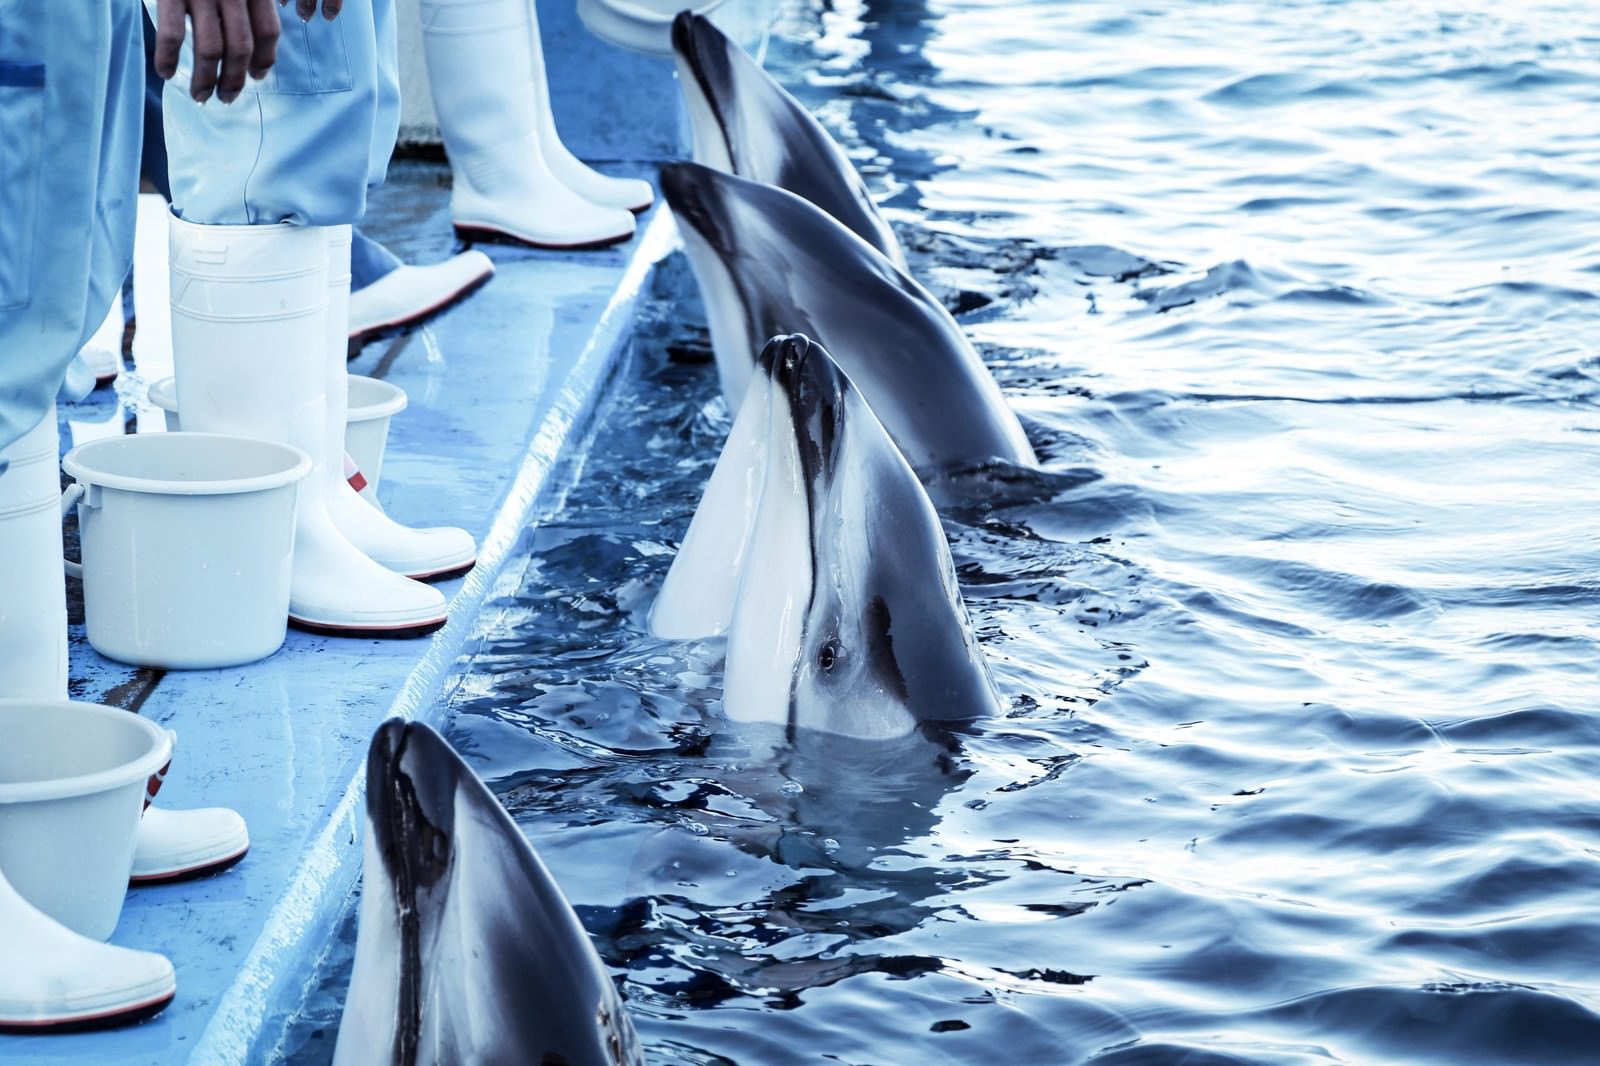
point(1299, 644)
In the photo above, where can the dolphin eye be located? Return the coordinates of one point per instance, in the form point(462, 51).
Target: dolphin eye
point(827, 655)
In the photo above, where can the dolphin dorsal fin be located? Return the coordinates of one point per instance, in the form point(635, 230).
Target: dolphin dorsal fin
point(697, 597)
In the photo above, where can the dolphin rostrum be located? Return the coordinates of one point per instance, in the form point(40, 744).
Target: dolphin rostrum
point(770, 263)
point(745, 123)
point(467, 952)
point(816, 549)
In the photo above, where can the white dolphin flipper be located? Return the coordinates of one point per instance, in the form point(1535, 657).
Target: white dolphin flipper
point(697, 597)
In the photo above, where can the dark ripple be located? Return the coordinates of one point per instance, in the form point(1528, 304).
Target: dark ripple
point(1442, 1023)
point(1263, 90)
point(1528, 725)
point(1225, 278)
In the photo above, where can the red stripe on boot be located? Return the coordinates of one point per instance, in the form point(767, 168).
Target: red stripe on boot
point(153, 785)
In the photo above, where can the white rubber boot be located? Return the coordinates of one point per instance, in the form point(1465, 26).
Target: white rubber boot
point(488, 90)
point(411, 294)
point(33, 594)
point(180, 845)
point(151, 353)
point(416, 553)
point(54, 980)
point(249, 338)
point(630, 194)
point(103, 352)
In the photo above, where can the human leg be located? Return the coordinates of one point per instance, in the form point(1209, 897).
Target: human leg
point(488, 89)
point(254, 188)
point(56, 276)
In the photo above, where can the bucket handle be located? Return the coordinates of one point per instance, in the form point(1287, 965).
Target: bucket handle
point(70, 496)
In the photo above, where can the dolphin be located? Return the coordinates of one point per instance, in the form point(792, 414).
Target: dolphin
point(466, 951)
point(745, 123)
point(817, 551)
point(770, 263)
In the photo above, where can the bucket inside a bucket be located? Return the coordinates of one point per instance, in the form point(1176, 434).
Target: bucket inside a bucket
point(186, 463)
point(371, 398)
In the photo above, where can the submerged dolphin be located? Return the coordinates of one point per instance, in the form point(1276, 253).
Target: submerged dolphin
point(745, 123)
point(768, 263)
point(467, 952)
point(818, 552)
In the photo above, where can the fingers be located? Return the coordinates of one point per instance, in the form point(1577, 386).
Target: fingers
point(306, 8)
point(207, 26)
point(237, 49)
point(169, 36)
point(264, 29)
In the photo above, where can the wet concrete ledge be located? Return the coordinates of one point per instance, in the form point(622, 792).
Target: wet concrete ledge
point(502, 389)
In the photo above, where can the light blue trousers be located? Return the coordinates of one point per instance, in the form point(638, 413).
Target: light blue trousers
point(71, 75)
point(305, 144)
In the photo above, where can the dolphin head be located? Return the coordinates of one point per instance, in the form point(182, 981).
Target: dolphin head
point(743, 122)
point(770, 263)
point(704, 210)
point(466, 949)
point(707, 74)
point(817, 551)
point(758, 252)
point(734, 250)
point(411, 805)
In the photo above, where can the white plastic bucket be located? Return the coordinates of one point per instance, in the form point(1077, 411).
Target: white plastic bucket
point(72, 787)
point(366, 434)
point(164, 394)
point(187, 543)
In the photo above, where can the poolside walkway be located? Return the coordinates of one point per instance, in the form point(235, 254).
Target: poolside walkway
point(500, 388)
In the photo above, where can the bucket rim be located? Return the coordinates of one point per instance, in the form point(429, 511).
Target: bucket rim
point(77, 464)
point(388, 407)
point(134, 770)
point(163, 393)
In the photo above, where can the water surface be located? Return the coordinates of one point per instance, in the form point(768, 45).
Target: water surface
point(1297, 300)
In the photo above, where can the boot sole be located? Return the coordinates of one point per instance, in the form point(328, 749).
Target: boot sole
point(445, 573)
point(406, 631)
point(189, 873)
point(366, 336)
point(106, 1019)
point(485, 235)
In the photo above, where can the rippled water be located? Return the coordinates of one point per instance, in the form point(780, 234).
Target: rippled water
point(1302, 757)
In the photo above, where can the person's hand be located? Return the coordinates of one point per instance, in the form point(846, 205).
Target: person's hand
point(231, 38)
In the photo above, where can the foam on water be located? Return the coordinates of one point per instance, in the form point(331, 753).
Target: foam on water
point(1298, 629)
